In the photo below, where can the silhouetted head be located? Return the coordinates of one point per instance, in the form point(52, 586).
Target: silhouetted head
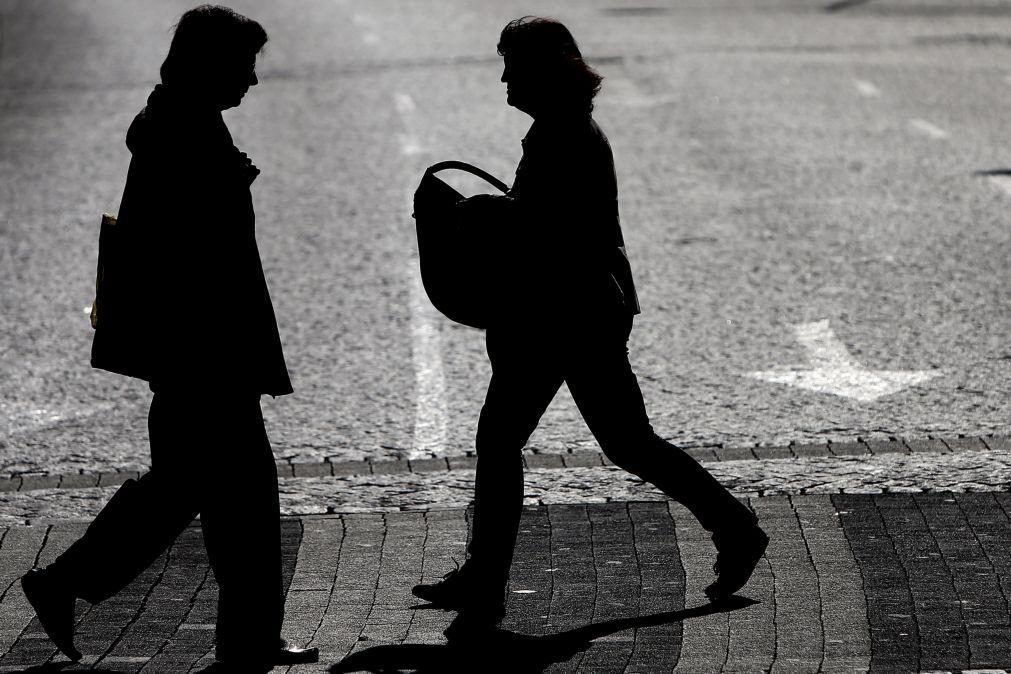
point(544, 70)
point(213, 55)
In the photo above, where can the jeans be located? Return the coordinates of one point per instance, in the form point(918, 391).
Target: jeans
point(528, 368)
point(209, 456)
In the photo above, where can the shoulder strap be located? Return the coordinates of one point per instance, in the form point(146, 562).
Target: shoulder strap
point(467, 168)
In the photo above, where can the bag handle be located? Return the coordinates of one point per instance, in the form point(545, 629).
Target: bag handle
point(467, 168)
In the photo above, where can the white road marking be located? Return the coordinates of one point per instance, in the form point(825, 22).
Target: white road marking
point(928, 129)
point(867, 88)
point(1002, 182)
point(431, 418)
point(834, 370)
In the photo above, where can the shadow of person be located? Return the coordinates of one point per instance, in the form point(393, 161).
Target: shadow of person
point(510, 651)
point(54, 667)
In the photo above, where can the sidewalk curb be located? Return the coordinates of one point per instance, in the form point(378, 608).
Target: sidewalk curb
point(31, 481)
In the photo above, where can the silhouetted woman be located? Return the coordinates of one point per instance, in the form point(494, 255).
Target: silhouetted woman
point(185, 306)
point(567, 319)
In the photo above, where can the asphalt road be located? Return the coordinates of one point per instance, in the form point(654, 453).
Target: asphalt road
point(780, 166)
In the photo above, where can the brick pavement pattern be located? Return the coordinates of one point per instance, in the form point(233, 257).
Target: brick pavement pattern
point(850, 583)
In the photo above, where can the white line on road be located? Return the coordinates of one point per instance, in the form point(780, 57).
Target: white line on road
point(834, 370)
point(431, 418)
point(928, 129)
point(867, 88)
point(1002, 182)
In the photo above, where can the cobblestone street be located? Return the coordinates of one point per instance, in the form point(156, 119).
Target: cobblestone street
point(886, 583)
point(813, 199)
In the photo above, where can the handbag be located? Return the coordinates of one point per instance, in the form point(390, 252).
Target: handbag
point(107, 241)
point(460, 246)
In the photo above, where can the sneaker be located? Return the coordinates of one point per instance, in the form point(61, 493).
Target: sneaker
point(738, 551)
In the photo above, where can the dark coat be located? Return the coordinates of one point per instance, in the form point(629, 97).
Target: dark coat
point(185, 303)
point(564, 204)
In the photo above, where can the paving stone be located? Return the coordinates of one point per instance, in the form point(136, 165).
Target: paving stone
point(886, 446)
point(79, 481)
point(767, 453)
point(543, 460)
point(582, 459)
point(462, 462)
point(390, 467)
point(701, 453)
point(935, 445)
point(965, 444)
point(344, 468)
point(848, 449)
point(810, 450)
point(428, 465)
point(998, 443)
point(117, 478)
point(315, 469)
point(30, 482)
point(734, 453)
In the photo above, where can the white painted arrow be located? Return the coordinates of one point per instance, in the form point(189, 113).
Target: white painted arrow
point(833, 369)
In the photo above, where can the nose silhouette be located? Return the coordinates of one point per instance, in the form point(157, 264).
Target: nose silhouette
point(253, 80)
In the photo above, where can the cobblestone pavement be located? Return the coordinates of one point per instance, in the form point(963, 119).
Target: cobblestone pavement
point(884, 583)
point(761, 188)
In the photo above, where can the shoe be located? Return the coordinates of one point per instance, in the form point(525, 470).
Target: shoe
point(738, 551)
point(475, 623)
point(286, 655)
point(54, 606)
point(293, 655)
point(454, 591)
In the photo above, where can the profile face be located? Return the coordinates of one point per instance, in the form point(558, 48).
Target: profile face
point(237, 78)
point(521, 90)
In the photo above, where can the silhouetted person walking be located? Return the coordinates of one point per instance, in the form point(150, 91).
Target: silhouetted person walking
point(566, 317)
point(185, 306)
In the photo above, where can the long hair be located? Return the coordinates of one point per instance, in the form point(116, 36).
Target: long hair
point(550, 46)
point(208, 38)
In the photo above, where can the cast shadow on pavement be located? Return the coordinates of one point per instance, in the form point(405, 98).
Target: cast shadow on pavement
point(509, 651)
point(54, 667)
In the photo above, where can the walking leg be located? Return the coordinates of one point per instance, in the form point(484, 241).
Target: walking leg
point(608, 396)
point(240, 517)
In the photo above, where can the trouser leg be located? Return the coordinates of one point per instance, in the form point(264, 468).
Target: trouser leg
point(522, 386)
point(240, 517)
point(609, 398)
point(139, 522)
